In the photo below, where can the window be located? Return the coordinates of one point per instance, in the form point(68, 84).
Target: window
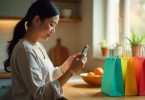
point(133, 16)
point(137, 16)
point(114, 19)
point(105, 23)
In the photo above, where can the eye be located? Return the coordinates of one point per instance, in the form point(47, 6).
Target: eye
point(53, 24)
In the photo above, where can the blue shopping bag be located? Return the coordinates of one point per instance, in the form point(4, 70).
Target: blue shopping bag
point(112, 82)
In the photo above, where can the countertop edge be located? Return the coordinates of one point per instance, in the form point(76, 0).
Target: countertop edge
point(5, 75)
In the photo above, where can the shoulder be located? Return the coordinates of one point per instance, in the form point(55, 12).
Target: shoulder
point(23, 45)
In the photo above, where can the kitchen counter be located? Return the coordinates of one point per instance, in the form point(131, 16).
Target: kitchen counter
point(79, 90)
point(5, 75)
point(5, 86)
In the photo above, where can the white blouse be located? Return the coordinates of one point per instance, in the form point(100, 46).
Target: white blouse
point(33, 75)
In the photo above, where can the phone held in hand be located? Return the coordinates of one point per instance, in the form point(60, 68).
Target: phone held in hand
point(84, 51)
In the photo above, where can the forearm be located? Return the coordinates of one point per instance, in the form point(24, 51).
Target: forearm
point(64, 68)
point(65, 77)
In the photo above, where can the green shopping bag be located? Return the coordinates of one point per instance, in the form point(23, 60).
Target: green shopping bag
point(112, 82)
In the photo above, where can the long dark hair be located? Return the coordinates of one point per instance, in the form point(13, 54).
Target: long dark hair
point(44, 9)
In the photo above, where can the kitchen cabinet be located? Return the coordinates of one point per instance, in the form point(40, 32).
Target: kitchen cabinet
point(74, 5)
point(74, 1)
point(5, 88)
point(14, 8)
point(18, 8)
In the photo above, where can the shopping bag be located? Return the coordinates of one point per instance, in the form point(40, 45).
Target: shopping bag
point(130, 80)
point(124, 61)
point(138, 62)
point(112, 81)
point(142, 80)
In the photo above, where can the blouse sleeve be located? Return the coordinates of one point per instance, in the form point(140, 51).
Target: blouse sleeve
point(56, 70)
point(32, 77)
point(57, 73)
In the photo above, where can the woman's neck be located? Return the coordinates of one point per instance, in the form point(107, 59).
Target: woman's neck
point(31, 36)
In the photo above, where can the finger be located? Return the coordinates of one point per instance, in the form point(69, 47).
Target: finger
point(84, 59)
point(81, 62)
point(73, 57)
point(76, 55)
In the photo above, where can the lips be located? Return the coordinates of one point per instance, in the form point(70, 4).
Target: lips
point(49, 34)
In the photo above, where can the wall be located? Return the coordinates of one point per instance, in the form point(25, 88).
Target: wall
point(69, 35)
point(74, 35)
point(66, 31)
point(86, 29)
point(6, 29)
point(14, 8)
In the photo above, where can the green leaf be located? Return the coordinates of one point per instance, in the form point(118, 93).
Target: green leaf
point(135, 39)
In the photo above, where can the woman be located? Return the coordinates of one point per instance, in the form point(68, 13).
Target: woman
point(33, 75)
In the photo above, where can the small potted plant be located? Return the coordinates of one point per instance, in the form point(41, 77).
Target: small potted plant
point(136, 41)
point(104, 48)
point(119, 49)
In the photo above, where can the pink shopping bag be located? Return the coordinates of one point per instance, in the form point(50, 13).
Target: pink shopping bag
point(142, 82)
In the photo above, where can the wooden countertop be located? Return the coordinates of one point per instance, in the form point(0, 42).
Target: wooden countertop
point(83, 91)
point(5, 75)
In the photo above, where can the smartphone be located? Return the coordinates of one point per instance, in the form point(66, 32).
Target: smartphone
point(84, 51)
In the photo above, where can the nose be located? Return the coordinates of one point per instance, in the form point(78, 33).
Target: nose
point(53, 30)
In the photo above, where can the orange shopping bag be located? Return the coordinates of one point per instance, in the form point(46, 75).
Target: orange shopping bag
point(130, 80)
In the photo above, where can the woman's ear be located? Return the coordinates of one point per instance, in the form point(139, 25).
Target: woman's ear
point(36, 20)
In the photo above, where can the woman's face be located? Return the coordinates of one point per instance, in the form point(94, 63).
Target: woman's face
point(46, 28)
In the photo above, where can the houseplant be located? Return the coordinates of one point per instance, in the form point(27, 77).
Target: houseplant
point(136, 41)
point(104, 47)
point(119, 49)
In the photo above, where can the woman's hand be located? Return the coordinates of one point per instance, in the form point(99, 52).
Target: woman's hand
point(74, 63)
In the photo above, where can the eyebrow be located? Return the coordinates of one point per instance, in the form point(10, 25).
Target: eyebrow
point(53, 21)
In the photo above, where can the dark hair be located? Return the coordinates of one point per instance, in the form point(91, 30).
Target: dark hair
point(44, 9)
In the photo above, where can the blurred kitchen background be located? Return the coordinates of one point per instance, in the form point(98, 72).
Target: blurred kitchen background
point(88, 22)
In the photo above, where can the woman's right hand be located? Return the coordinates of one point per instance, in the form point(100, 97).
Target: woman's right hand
point(77, 64)
point(74, 63)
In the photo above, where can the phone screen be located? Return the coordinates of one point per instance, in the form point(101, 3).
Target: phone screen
point(85, 50)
